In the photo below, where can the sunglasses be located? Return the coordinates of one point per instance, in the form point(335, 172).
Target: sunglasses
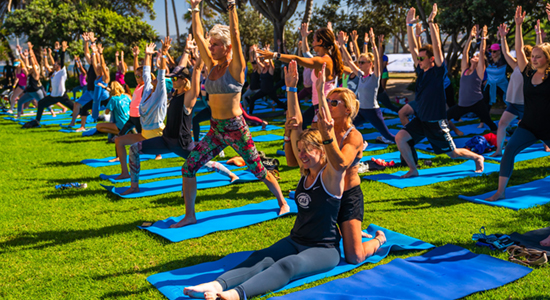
point(334, 103)
point(421, 58)
point(363, 62)
point(495, 51)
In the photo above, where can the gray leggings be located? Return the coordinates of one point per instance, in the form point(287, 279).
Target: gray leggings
point(29, 96)
point(272, 268)
point(521, 139)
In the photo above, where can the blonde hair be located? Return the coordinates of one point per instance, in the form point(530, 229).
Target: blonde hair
point(368, 55)
point(545, 48)
point(222, 33)
point(116, 89)
point(350, 101)
point(311, 139)
point(21, 62)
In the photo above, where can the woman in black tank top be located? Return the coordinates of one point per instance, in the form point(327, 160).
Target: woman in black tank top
point(33, 89)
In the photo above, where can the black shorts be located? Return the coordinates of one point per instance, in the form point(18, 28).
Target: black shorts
point(351, 205)
point(133, 122)
point(437, 133)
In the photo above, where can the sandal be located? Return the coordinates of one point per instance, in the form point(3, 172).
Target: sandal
point(526, 256)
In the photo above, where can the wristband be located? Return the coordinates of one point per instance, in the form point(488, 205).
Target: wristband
point(164, 56)
point(410, 24)
point(286, 138)
point(483, 37)
point(346, 45)
point(366, 43)
point(291, 89)
point(537, 32)
point(194, 9)
point(328, 142)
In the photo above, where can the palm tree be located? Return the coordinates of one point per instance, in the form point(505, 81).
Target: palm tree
point(176, 19)
point(166, 17)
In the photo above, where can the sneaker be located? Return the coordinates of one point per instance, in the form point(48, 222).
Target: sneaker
point(384, 140)
point(31, 124)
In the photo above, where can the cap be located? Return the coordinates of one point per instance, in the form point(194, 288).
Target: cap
point(181, 72)
point(495, 47)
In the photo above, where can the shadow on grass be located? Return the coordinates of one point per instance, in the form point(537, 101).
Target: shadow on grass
point(72, 193)
point(61, 163)
point(45, 239)
point(81, 139)
point(126, 294)
point(80, 179)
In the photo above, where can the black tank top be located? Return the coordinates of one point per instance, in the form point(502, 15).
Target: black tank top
point(266, 81)
point(178, 124)
point(255, 81)
point(90, 78)
point(32, 84)
point(315, 225)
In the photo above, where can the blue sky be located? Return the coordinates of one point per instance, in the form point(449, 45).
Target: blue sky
point(181, 5)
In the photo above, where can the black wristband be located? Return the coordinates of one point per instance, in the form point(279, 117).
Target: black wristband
point(328, 142)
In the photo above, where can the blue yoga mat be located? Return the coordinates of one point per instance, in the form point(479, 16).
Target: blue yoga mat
point(447, 272)
point(388, 111)
point(376, 147)
point(267, 138)
point(374, 135)
point(518, 197)
point(161, 173)
point(104, 162)
point(174, 185)
point(459, 143)
point(88, 132)
point(434, 175)
point(532, 152)
point(219, 220)
point(54, 121)
point(393, 156)
point(389, 122)
point(472, 129)
point(88, 125)
point(171, 283)
point(268, 127)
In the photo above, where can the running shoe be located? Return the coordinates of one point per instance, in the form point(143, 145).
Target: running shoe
point(384, 140)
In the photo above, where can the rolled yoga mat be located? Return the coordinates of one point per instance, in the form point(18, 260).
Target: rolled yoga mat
point(518, 197)
point(171, 283)
point(447, 272)
point(434, 175)
point(219, 220)
point(175, 185)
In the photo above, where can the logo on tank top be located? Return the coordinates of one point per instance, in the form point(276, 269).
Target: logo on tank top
point(352, 86)
point(303, 200)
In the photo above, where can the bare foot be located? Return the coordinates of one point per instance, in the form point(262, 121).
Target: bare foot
point(498, 153)
point(53, 114)
point(380, 236)
point(158, 157)
point(123, 176)
point(198, 291)
point(365, 235)
point(497, 196)
point(264, 124)
point(411, 173)
point(228, 295)
point(365, 145)
point(233, 177)
point(284, 209)
point(116, 159)
point(70, 125)
point(81, 129)
point(9, 111)
point(130, 191)
point(481, 125)
point(479, 164)
point(458, 132)
point(546, 148)
point(545, 242)
point(184, 222)
point(64, 111)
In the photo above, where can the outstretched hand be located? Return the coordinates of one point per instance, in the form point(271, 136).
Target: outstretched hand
point(64, 46)
point(325, 123)
point(372, 37)
point(320, 83)
point(537, 27)
point(329, 26)
point(195, 3)
point(433, 14)
point(354, 35)
point(291, 74)
point(265, 54)
point(473, 32)
point(150, 49)
point(503, 30)
point(419, 29)
point(56, 46)
point(135, 51)
point(291, 124)
point(304, 32)
point(411, 16)
point(166, 45)
point(190, 43)
point(520, 16)
point(484, 31)
point(100, 48)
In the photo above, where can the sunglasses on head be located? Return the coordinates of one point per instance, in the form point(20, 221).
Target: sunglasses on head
point(334, 103)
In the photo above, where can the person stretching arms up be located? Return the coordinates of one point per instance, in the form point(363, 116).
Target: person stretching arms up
point(431, 120)
point(224, 58)
point(536, 117)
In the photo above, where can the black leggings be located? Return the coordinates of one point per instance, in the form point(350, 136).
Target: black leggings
point(450, 96)
point(480, 109)
point(86, 107)
point(201, 116)
point(308, 115)
point(133, 122)
point(49, 100)
point(272, 268)
point(262, 93)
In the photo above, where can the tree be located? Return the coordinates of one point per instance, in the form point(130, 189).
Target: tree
point(220, 6)
point(278, 12)
point(46, 21)
point(308, 11)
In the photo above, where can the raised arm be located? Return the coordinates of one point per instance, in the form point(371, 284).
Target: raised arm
point(95, 59)
point(87, 55)
point(304, 32)
point(354, 36)
point(377, 58)
point(238, 63)
point(503, 31)
point(47, 56)
point(50, 57)
point(116, 58)
point(34, 63)
point(538, 33)
point(465, 64)
point(294, 120)
point(106, 74)
point(198, 33)
point(192, 95)
point(413, 48)
point(80, 66)
point(345, 55)
point(520, 54)
point(312, 63)
point(436, 39)
point(481, 64)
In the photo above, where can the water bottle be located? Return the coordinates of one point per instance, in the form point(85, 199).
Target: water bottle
point(72, 185)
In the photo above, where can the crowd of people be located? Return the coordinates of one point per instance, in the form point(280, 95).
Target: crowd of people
point(347, 87)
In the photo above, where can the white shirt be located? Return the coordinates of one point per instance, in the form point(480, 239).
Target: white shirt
point(58, 82)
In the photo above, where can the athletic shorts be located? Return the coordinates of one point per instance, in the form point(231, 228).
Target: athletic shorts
point(413, 104)
point(149, 134)
point(437, 133)
point(85, 98)
point(352, 205)
point(385, 75)
point(515, 109)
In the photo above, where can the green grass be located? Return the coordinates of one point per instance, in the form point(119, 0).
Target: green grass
point(84, 244)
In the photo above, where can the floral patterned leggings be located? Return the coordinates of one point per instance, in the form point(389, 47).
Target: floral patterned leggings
point(229, 132)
